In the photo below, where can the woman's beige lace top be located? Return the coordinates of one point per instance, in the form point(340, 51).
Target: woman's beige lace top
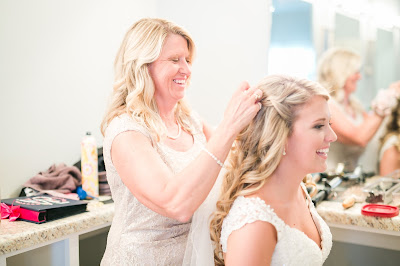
point(138, 235)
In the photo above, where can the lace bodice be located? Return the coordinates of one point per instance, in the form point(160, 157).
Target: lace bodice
point(138, 235)
point(293, 246)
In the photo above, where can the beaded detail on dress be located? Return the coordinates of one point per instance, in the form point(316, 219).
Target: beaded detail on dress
point(138, 235)
point(293, 246)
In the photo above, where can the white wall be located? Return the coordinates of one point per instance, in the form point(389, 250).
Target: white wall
point(232, 44)
point(56, 72)
point(56, 69)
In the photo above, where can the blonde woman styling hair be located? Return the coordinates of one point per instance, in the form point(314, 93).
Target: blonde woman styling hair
point(264, 214)
point(161, 159)
point(134, 89)
point(339, 71)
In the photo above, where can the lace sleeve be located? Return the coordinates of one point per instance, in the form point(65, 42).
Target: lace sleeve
point(118, 125)
point(245, 211)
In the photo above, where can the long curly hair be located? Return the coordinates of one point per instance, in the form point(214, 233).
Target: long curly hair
point(133, 88)
point(334, 67)
point(259, 147)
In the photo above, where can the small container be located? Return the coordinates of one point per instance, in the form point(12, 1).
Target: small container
point(379, 210)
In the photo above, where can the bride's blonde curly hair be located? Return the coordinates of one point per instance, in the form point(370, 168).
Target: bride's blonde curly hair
point(259, 147)
point(133, 88)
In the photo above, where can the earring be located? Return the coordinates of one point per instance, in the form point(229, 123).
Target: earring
point(284, 151)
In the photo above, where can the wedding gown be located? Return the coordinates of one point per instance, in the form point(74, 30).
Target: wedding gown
point(138, 235)
point(293, 246)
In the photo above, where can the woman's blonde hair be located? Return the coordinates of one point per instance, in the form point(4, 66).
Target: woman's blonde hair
point(259, 147)
point(133, 88)
point(334, 67)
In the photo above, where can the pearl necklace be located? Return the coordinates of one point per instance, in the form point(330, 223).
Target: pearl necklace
point(178, 135)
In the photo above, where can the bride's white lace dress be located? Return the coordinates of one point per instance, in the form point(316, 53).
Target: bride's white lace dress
point(139, 236)
point(293, 246)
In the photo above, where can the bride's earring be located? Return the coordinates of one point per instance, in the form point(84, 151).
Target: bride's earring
point(284, 151)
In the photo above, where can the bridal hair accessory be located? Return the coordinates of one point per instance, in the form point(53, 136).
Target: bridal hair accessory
point(212, 156)
point(284, 151)
point(384, 102)
point(178, 135)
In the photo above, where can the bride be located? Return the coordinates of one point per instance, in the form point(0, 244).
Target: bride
point(264, 214)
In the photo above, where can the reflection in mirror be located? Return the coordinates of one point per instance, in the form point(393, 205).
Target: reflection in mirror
point(302, 30)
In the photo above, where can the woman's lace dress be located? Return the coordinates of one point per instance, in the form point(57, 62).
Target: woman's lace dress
point(138, 235)
point(345, 153)
point(293, 246)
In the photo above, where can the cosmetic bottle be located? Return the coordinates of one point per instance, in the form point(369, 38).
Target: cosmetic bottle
point(89, 166)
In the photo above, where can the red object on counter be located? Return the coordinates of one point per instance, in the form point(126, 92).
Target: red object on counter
point(380, 210)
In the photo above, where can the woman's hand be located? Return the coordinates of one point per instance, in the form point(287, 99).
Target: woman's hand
point(386, 100)
point(243, 107)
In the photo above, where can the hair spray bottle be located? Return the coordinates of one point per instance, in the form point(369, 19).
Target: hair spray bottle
point(89, 166)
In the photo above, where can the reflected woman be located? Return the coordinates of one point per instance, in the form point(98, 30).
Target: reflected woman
point(339, 71)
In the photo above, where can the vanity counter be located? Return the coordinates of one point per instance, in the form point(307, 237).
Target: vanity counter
point(20, 236)
point(347, 225)
point(333, 212)
point(350, 226)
